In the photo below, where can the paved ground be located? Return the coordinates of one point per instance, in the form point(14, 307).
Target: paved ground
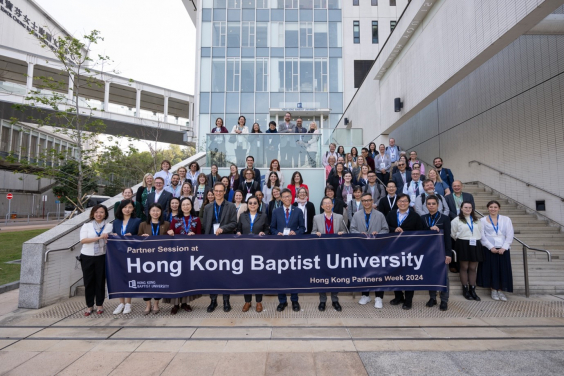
point(524, 337)
point(24, 226)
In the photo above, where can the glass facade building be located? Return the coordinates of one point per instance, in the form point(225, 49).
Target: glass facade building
point(260, 58)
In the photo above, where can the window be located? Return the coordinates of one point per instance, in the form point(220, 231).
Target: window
point(262, 4)
point(219, 33)
point(234, 4)
point(306, 4)
point(292, 34)
point(276, 34)
point(392, 3)
point(232, 74)
point(320, 34)
point(291, 4)
point(356, 32)
point(375, 32)
point(291, 74)
point(306, 75)
point(355, 3)
point(247, 75)
point(320, 4)
point(374, 3)
point(218, 75)
point(361, 69)
point(248, 34)
point(320, 81)
point(262, 34)
point(262, 75)
point(392, 25)
point(233, 34)
point(306, 34)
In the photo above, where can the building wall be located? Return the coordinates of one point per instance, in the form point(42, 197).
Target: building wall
point(509, 114)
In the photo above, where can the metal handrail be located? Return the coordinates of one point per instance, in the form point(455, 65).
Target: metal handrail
point(9, 214)
point(58, 215)
point(516, 178)
point(525, 258)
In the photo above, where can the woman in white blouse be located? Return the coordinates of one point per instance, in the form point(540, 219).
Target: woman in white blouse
point(93, 237)
point(466, 230)
point(497, 235)
point(241, 142)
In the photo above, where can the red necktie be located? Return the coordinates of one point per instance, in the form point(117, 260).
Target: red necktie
point(287, 214)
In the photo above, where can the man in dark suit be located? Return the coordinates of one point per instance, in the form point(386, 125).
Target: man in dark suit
point(287, 220)
point(446, 174)
point(159, 196)
point(220, 218)
point(251, 164)
point(401, 177)
point(454, 202)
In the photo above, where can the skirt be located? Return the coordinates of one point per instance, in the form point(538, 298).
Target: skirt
point(184, 299)
point(495, 271)
point(467, 252)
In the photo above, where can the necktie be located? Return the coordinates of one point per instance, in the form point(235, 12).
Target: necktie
point(417, 188)
point(287, 214)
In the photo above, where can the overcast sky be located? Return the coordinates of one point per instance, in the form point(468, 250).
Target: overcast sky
point(152, 41)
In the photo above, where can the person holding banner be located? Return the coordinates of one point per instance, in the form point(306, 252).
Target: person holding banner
point(287, 220)
point(220, 218)
point(369, 221)
point(434, 220)
point(404, 219)
point(184, 223)
point(125, 224)
point(93, 237)
point(253, 222)
point(328, 223)
point(173, 209)
point(466, 230)
point(154, 226)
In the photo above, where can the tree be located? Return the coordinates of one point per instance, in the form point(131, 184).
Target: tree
point(72, 117)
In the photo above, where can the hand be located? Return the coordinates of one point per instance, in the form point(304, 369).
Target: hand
point(262, 233)
point(340, 233)
point(399, 229)
point(191, 233)
point(280, 233)
point(500, 251)
point(292, 233)
point(170, 232)
point(383, 171)
point(448, 260)
point(104, 236)
point(374, 232)
point(219, 231)
point(494, 250)
point(435, 228)
point(318, 233)
point(113, 234)
point(128, 234)
point(145, 235)
point(238, 233)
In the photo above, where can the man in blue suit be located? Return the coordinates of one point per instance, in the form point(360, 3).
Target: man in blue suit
point(446, 174)
point(287, 220)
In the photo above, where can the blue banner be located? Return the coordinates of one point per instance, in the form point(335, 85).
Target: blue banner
point(169, 267)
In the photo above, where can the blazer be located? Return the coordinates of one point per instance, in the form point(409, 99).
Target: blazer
point(243, 187)
point(443, 223)
point(379, 192)
point(242, 176)
point(164, 200)
point(145, 228)
point(260, 224)
point(131, 228)
point(421, 207)
point(452, 205)
point(217, 179)
point(447, 177)
point(295, 223)
point(338, 207)
point(310, 212)
point(413, 221)
point(271, 208)
point(242, 209)
point(139, 195)
point(319, 223)
point(136, 204)
point(377, 223)
point(386, 161)
point(227, 218)
point(352, 209)
point(396, 178)
point(384, 205)
point(292, 189)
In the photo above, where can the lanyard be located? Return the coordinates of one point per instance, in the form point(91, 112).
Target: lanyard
point(170, 218)
point(496, 228)
point(367, 218)
point(98, 233)
point(277, 204)
point(123, 228)
point(187, 228)
point(232, 181)
point(347, 188)
point(470, 227)
point(432, 220)
point(392, 205)
point(398, 217)
point(328, 229)
point(260, 207)
point(249, 186)
point(252, 221)
point(217, 211)
point(155, 233)
point(288, 215)
point(357, 205)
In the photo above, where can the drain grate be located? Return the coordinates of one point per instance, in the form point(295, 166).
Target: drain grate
point(351, 310)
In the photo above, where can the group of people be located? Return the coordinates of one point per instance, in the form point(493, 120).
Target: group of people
point(379, 191)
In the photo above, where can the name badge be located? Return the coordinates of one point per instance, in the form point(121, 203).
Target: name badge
point(286, 231)
point(413, 197)
point(457, 211)
point(498, 242)
point(382, 166)
point(473, 242)
point(215, 227)
point(248, 196)
point(349, 197)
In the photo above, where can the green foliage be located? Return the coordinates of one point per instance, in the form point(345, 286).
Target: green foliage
point(66, 181)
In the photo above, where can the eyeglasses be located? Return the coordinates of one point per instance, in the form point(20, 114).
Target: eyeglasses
point(216, 191)
point(366, 201)
point(252, 203)
point(403, 202)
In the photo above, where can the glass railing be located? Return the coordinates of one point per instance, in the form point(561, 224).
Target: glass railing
point(293, 150)
point(12, 88)
point(343, 136)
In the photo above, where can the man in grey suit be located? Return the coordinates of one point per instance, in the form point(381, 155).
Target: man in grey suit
point(328, 223)
point(160, 196)
point(287, 143)
point(456, 198)
point(220, 218)
point(421, 200)
point(369, 221)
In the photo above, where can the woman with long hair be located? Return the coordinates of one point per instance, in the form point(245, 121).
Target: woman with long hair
point(144, 190)
point(186, 191)
point(297, 182)
point(256, 142)
point(210, 198)
point(238, 200)
point(271, 182)
point(234, 181)
point(217, 145)
point(128, 195)
point(307, 208)
point(275, 167)
point(200, 193)
point(441, 187)
point(241, 142)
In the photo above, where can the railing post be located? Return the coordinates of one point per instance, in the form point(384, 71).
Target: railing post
point(526, 271)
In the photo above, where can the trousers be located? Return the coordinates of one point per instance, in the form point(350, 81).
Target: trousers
point(323, 297)
point(94, 276)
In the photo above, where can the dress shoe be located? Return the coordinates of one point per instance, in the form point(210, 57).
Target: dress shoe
point(226, 305)
point(186, 307)
point(321, 306)
point(432, 302)
point(247, 306)
point(259, 307)
point(466, 293)
point(453, 270)
point(212, 306)
point(397, 301)
point(443, 306)
point(337, 306)
point(406, 305)
point(174, 310)
point(296, 306)
point(472, 291)
point(281, 307)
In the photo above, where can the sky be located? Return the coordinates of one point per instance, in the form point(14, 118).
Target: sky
point(152, 41)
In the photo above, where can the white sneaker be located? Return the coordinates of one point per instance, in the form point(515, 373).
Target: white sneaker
point(364, 299)
point(502, 296)
point(495, 295)
point(127, 308)
point(378, 303)
point(119, 309)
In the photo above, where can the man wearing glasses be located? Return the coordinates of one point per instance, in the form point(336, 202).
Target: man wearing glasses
point(251, 164)
point(369, 222)
point(402, 177)
point(220, 218)
point(160, 195)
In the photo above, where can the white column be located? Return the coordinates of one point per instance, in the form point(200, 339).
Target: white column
point(70, 93)
point(165, 109)
point(321, 121)
point(107, 96)
point(29, 83)
point(138, 104)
